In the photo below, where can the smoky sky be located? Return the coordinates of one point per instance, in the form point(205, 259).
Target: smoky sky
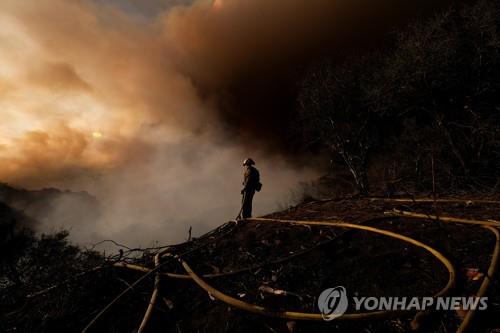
point(152, 105)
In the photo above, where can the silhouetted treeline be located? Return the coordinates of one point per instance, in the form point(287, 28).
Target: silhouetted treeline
point(426, 108)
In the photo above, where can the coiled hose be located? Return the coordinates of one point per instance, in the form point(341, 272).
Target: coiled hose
point(316, 316)
point(490, 225)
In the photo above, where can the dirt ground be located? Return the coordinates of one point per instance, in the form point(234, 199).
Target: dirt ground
point(366, 264)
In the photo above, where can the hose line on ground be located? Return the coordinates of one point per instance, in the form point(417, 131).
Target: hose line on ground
point(429, 200)
point(316, 316)
point(404, 213)
point(494, 260)
point(229, 273)
point(154, 295)
point(352, 316)
point(486, 281)
point(149, 272)
point(107, 307)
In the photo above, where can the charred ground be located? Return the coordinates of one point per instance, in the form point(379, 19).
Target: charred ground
point(316, 258)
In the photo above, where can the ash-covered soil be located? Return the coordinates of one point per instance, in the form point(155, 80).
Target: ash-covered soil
point(366, 264)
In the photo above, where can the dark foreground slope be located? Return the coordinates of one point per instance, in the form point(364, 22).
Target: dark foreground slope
point(366, 264)
point(298, 259)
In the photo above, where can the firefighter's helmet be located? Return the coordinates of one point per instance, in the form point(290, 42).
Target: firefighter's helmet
point(248, 161)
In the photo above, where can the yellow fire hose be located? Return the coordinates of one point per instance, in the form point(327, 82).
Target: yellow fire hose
point(429, 200)
point(316, 316)
point(487, 279)
point(397, 212)
point(494, 260)
point(352, 316)
point(229, 273)
point(155, 293)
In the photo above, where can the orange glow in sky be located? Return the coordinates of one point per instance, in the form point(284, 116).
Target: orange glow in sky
point(217, 4)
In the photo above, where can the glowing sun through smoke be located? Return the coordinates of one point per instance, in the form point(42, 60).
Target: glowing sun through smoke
point(97, 135)
point(94, 99)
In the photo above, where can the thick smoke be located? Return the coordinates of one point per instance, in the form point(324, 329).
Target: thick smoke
point(152, 107)
point(94, 99)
